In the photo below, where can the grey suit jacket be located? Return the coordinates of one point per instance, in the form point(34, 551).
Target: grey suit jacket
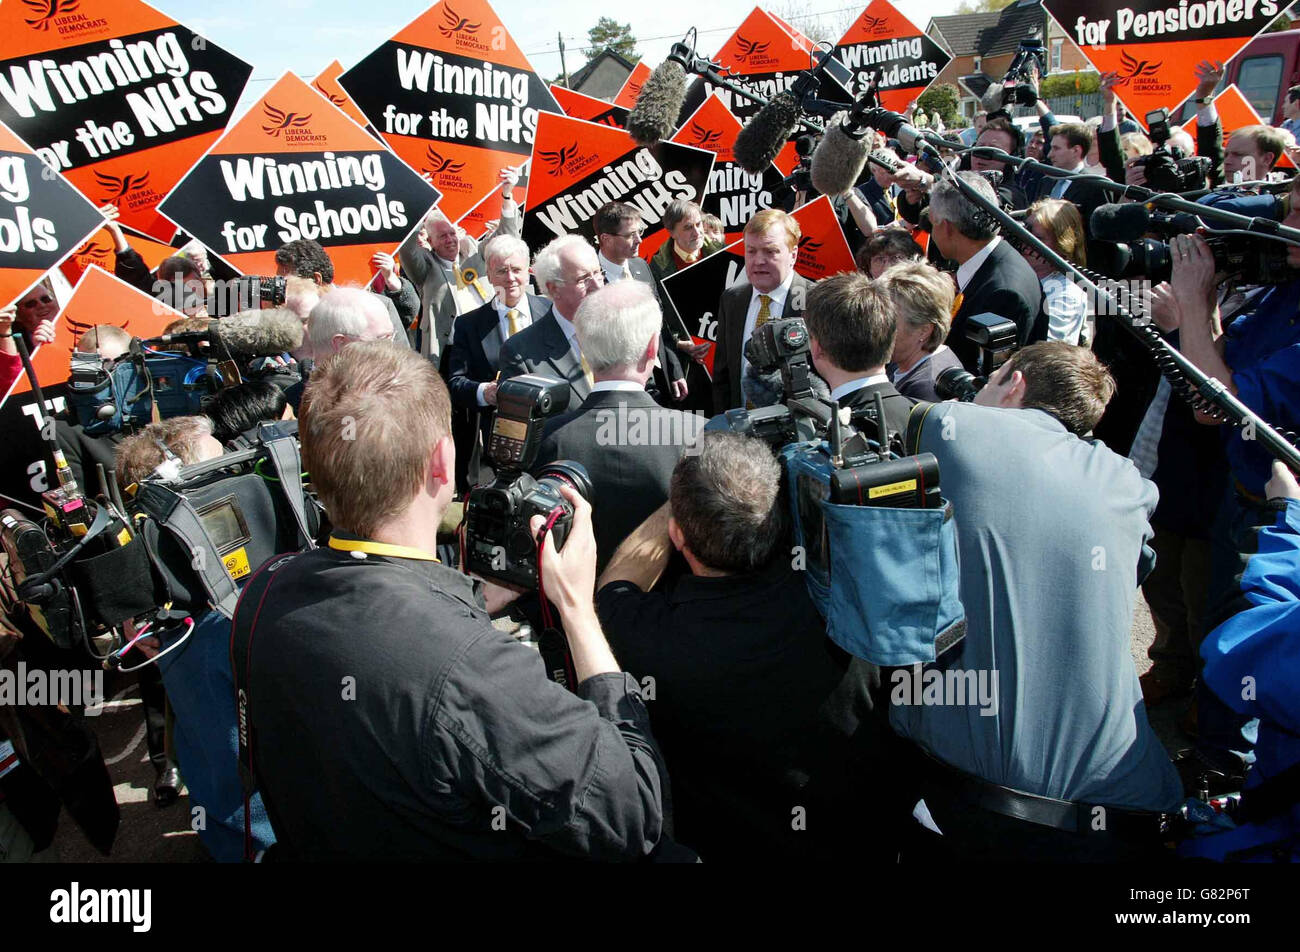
point(543, 349)
point(729, 347)
point(629, 446)
point(438, 303)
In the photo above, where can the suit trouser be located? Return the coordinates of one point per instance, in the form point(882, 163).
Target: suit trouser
point(1175, 592)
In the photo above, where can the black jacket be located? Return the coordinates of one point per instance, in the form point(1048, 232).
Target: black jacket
point(629, 446)
point(733, 309)
point(1005, 285)
point(897, 407)
point(393, 722)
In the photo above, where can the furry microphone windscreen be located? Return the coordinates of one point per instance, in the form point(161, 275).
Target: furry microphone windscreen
point(837, 163)
point(763, 136)
point(259, 333)
point(654, 117)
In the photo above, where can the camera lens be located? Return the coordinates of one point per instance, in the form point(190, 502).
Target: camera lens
point(565, 472)
point(957, 383)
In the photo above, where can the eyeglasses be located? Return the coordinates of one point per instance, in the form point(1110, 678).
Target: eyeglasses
point(633, 235)
point(43, 299)
point(596, 277)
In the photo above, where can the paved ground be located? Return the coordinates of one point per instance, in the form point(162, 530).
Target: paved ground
point(152, 835)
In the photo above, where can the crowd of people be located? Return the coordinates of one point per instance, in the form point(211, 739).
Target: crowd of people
point(710, 716)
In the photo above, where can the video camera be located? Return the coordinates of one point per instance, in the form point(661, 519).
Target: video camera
point(861, 505)
point(179, 547)
point(499, 543)
point(1017, 83)
point(1168, 169)
point(109, 396)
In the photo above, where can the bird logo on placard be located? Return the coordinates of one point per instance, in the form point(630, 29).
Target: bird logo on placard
point(809, 245)
point(93, 252)
point(77, 328)
point(1135, 69)
point(336, 100)
point(872, 23)
point(705, 138)
point(116, 187)
point(749, 48)
point(47, 10)
point(455, 23)
point(438, 164)
point(557, 159)
point(634, 89)
point(281, 121)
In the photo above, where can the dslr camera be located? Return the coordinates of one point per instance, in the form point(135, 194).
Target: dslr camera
point(1017, 84)
point(499, 543)
point(1166, 168)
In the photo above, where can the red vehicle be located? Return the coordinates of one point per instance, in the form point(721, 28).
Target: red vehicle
point(1264, 70)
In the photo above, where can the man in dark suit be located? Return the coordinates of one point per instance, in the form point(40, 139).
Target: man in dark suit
point(618, 236)
point(851, 327)
point(628, 443)
point(992, 277)
point(1068, 150)
point(773, 291)
point(473, 358)
point(568, 271)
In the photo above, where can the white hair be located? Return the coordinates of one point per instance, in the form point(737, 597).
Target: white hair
point(504, 246)
point(352, 312)
point(546, 266)
point(433, 217)
point(616, 324)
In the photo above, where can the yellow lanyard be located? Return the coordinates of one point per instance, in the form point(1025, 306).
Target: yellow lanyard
point(381, 548)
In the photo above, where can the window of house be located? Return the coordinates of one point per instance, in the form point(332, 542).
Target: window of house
point(977, 64)
point(1057, 46)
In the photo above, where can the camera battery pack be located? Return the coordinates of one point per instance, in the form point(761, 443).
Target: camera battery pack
point(908, 483)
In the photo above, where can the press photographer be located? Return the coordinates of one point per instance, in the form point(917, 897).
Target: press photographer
point(437, 735)
point(1048, 587)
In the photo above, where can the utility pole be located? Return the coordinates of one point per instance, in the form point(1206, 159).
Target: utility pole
point(564, 70)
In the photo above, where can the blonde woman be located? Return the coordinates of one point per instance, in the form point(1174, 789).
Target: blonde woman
point(1058, 224)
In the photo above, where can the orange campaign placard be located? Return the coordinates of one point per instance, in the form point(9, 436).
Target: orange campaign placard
point(632, 86)
point(883, 44)
point(43, 219)
point(579, 166)
point(98, 298)
point(1234, 112)
point(582, 106)
point(823, 249)
point(734, 195)
point(1154, 45)
point(766, 57)
point(116, 95)
point(327, 84)
point(482, 218)
point(454, 96)
point(98, 251)
point(297, 167)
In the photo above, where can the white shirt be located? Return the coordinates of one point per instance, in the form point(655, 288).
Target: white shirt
point(631, 386)
point(1067, 308)
point(523, 319)
point(775, 309)
point(614, 273)
point(852, 385)
point(967, 271)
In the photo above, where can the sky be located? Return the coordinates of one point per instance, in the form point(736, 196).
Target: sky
point(303, 36)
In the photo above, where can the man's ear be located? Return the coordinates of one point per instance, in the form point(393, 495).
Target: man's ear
point(1015, 394)
point(675, 534)
point(651, 352)
point(318, 278)
point(442, 462)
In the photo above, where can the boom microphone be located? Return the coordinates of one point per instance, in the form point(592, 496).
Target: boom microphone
point(759, 143)
point(654, 117)
point(1134, 220)
point(837, 164)
point(246, 334)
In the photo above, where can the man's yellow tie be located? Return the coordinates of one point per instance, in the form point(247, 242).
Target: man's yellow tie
point(512, 317)
point(764, 311)
point(586, 370)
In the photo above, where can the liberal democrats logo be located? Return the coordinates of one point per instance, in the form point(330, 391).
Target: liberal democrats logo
point(453, 23)
point(279, 121)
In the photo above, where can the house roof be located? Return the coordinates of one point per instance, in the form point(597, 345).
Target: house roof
point(579, 77)
point(990, 34)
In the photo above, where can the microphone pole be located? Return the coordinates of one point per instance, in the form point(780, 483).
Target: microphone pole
point(1139, 193)
point(683, 53)
point(1185, 376)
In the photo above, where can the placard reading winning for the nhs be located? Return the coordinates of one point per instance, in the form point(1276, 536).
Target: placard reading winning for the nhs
point(119, 97)
point(296, 167)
